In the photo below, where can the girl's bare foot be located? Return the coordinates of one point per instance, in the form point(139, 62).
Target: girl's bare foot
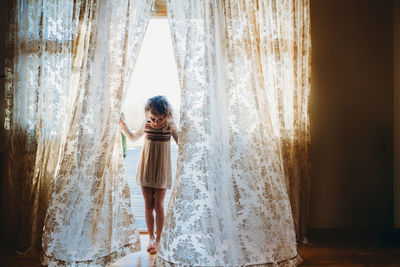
point(153, 250)
point(155, 247)
point(150, 246)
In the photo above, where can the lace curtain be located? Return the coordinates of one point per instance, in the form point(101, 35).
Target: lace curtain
point(38, 66)
point(285, 65)
point(66, 77)
point(230, 204)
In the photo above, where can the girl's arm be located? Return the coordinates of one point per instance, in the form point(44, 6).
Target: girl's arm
point(174, 132)
point(128, 133)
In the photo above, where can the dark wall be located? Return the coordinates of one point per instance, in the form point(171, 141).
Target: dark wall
point(352, 114)
point(396, 110)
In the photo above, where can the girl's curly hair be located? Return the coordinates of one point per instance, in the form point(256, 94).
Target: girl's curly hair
point(159, 105)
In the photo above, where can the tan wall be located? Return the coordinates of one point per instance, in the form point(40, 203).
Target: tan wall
point(352, 114)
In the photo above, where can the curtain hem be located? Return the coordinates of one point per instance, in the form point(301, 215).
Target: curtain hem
point(294, 261)
point(103, 261)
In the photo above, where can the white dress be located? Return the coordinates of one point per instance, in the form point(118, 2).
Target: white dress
point(154, 167)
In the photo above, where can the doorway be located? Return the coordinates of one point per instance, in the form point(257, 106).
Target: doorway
point(155, 73)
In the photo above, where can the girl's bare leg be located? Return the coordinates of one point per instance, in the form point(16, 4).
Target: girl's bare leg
point(159, 195)
point(148, 193)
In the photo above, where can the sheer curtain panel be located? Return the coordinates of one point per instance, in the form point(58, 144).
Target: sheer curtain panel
point(230, 204)
point(285, 65)
point(66, 75)
point(38, 67)
point(90, 221)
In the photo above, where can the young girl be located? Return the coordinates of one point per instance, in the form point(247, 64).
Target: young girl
point(154, 167)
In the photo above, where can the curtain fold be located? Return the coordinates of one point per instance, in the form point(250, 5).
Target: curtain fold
point(230, 204)
point(90, 221)
point(39, 43)
point(285, 60)
point(66, 75)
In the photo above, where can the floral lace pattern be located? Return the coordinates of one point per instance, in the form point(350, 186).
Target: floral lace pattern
point(90, 217)
point(38, 66)
point(229, 205)
point(244, 126)
point(68, 57)
point(284, 59)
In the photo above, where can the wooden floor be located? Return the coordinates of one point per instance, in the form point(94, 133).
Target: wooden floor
point(328, 248)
